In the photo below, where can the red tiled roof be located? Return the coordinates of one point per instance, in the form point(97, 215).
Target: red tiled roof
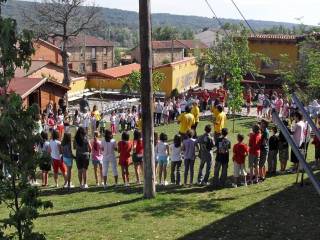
point(118, 72)
point(167, 44)
point(54, 47)
point(88, 41)
point(275, 37)
point(25, 86)
point(192, 44)
point(35, 65)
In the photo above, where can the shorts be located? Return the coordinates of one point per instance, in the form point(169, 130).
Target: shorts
point(82, 162)
point(67, 161)
point(253, 161)
point(96, 162)
point(45, 166)
point(283, 155)
point(259, 108)
point(136, 158)
point(58, 164)
point(163, 160)
point(239, 169)
point(294, 159)
point(105, 166)
point(263, 158)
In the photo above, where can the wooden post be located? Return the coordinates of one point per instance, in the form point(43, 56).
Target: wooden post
point(149, 190)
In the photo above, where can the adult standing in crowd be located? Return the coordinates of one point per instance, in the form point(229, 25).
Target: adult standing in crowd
point(84, 104)
point(186, 121)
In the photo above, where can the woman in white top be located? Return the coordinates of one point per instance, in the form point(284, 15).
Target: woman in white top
point(176, 158)
point(108, 147)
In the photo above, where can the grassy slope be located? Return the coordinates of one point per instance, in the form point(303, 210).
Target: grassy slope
point(272, 210)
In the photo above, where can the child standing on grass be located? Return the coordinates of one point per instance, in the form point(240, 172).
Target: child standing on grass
point(264, 149)
point(125, 148)
point(240, 152)
point(60, 126)
point(45, 164)
point(254, 153)
point(97, 158)
point(57, 162)
point(189, 152)
point(156, 140)
point(222, 159)
point(316, 142)
point(206, 144)
point(67, 157)
point(103, 125)
point(176, 158)
point(137, 156)
point(162, 151)
point(108, 147)
point(113, 123)
point(273, 152)
point(283, 149)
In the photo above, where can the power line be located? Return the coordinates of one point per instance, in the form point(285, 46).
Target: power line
point(227, 34)
point(243, 17)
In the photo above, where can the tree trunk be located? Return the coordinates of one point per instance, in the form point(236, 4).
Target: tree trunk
point(64, 55)
point(149, 190)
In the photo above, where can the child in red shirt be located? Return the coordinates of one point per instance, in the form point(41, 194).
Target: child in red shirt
point(240, 152)
point(137, 155)
point(316, 143)
point(125, 148)
point(254, 152)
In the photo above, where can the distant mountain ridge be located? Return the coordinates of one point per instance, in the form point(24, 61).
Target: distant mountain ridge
point(123, 18)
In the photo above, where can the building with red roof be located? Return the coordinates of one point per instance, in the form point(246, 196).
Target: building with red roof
point(37, 91)
point(164, 52)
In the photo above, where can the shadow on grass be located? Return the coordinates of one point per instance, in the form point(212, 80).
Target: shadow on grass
point(93, 208)
point(293, 213)
point(176, 206)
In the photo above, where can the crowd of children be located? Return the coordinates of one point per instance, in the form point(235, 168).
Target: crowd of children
point(261, 153)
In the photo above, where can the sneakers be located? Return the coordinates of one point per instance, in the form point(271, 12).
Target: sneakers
point(85, 186)
point(165, 183)
point(234, 185)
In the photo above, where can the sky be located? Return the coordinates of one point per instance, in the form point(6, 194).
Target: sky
point(295, 11)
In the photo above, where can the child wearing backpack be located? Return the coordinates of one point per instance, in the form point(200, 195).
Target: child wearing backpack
point(45, 164)
point(206, 145)
point(223, 146)
point(189, 152)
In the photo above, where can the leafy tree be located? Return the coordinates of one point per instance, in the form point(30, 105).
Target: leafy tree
point(169, 33)
point(133, 82)
point(117, 56)
point(63, 19)
point(230, 60)
point(303, 75)
point(17, 155)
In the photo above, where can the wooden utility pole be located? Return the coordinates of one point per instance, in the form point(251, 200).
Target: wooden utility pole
point(149, 190)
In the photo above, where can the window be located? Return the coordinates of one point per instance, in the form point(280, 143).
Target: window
point(94, 67)
point(105, 65)
point(93, 53)
point(81, 51)
point(273, 64)
point(82, 67)
point(105, 51)
point(70, 66)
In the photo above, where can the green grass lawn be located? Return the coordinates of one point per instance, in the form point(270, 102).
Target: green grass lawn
point(275, 209)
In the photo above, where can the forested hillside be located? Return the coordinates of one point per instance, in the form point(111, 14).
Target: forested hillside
point(122, 26)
